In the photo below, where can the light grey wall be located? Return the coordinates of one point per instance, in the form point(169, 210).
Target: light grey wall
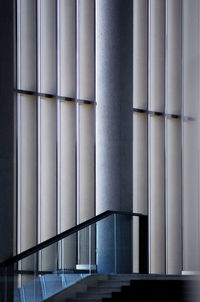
point(114, 131)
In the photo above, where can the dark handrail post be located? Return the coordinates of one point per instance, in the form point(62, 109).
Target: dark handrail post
point(143, 244)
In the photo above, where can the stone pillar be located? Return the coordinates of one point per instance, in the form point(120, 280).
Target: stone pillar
point(114, 130)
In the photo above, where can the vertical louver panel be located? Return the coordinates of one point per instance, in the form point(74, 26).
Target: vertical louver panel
point(173, 56)
point(47, 169)
point(140, 163)
point(66, 114)
point(140, 58)
point(67, 165)
point(156, 195)
point(173, 99)
point(85, 49)
point(190, 197)
point(47, 51)
point(190, 135)
point(85, 112)
point(66, 34)
point(86, 162)
point(157, 54)
point(173, 196)
point(26, 44)
point(26, 172)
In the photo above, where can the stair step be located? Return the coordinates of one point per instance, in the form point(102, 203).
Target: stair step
point(104, 289)
point(84, 300)
point(94, 295)
point(121, 277)
point(113, 283)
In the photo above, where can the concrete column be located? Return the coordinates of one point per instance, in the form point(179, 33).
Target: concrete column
point(114, 132)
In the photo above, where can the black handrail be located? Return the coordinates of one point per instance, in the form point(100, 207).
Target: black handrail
point(64, 234)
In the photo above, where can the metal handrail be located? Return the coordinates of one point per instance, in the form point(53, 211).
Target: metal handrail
point(64, 234)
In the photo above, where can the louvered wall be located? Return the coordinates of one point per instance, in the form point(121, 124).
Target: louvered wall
point(165, 140)
point(70, 54)
point(55, 117)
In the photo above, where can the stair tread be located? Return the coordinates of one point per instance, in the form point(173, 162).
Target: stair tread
point(104, 289)
point(83, 300)
point(93, 295)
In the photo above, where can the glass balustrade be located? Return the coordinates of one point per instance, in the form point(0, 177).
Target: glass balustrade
point(103, 244)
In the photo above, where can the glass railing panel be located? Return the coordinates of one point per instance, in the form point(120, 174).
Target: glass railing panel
point(68, 254)
point(83, 264)
point(114, 244)
point(106, 245)
point(123, 226)
point(45, 273)
point(92, 248)
point(26, 286)
point(49, 277)
point(68, 261)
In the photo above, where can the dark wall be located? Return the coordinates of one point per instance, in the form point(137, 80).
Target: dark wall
point(6, 129)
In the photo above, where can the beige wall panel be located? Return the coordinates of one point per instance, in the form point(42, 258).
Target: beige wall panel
point(47, 54)
point(140, 64)
point(27, 172)
point(68, 165)
point(140, 163)
point(48, 169)
point(85, 28)
point(67, 48)
point(86, 161)
point(157, 199)
point(27, 56)
point(173, 196)
point(157, 54)
point(173, 56)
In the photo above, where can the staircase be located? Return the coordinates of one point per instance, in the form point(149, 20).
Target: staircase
point(100, 245)
point(50, 271)
point(103, 289)
point(135, 287)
